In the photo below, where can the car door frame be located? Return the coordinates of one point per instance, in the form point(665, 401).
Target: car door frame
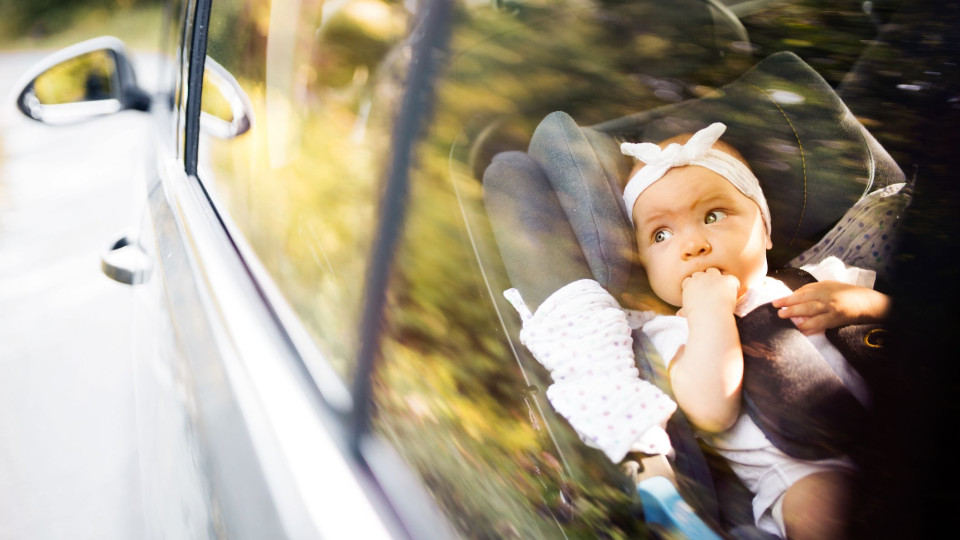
point(284, 447)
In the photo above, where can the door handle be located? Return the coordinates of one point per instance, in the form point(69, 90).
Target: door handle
point(125, 261)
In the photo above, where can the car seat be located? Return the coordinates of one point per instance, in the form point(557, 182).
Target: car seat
point(557, 216)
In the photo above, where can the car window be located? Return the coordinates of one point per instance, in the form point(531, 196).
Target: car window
point(322, 80)
point(456, 392)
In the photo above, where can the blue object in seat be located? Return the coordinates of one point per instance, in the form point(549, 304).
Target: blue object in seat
point(663, 506)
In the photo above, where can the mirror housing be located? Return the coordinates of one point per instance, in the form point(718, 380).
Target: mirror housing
point(84, 81)
point(225, 109)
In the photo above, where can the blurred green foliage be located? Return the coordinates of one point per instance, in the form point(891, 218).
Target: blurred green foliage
point(830, 35)
point(38, 18)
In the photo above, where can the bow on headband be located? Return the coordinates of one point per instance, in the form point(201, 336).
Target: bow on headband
point(697, 151)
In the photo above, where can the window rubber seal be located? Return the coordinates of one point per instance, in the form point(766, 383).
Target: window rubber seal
point(427, 38)
point(198, 56)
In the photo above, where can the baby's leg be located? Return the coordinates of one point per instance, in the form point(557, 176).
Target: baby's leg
point(816, 506)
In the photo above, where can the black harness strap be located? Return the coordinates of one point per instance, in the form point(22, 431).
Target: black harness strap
point(789, 390)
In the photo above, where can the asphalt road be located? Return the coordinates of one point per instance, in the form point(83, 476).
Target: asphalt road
point(68, 436)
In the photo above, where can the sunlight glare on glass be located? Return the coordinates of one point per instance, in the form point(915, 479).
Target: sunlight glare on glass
point(786, 97)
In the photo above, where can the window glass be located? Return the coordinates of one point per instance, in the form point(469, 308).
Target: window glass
point(456, 392)
point(322, 79)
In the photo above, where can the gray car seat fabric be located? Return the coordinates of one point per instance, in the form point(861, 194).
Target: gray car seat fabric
point(528, 221)
point(584, 168)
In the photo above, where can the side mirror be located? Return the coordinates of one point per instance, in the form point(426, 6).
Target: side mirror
point(225, 109)
point(90, 79)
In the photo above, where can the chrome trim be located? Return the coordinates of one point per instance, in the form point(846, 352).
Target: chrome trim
point(124, 261)
point(68, 113)
point(240, 106)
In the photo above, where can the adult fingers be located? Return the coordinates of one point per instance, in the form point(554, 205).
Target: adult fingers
point(817, 324)
point(805, 309)
point(807, 293)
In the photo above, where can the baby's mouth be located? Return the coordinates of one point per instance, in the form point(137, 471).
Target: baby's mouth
point(704, 269)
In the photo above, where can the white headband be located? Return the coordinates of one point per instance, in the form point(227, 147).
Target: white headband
point(697, 151)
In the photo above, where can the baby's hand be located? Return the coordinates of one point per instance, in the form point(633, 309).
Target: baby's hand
point(828, 304)
point(709, 290)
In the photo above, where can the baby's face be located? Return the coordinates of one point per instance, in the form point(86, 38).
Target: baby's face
point(693, 219)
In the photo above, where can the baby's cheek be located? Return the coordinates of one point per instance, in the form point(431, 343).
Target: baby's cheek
point(669, 291)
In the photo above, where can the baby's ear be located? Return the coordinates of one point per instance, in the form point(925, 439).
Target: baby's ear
point(769, 242)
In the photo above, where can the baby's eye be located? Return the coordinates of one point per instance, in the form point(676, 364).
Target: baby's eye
point(714, 216)
point(661, 235)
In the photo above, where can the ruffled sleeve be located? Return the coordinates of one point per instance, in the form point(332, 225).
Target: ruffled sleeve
point(582, 336)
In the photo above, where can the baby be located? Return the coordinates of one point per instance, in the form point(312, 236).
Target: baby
point(703, 228)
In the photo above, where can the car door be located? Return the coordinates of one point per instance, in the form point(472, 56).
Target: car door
point(177, 494)
point(240, 439)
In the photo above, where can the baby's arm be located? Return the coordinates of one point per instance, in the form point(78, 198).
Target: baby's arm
point(707, 373)
point(582, 336)
point(829, 304)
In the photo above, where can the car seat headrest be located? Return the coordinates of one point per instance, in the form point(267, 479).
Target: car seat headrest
point(534, 235)
point(584, 167)
point(813, 158)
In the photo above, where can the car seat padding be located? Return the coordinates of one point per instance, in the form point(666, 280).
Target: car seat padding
point(529, 223)
point(813, 158)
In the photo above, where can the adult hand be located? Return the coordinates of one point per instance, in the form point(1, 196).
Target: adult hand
point(816, 307)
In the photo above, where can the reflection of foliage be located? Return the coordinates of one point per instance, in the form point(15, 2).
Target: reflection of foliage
point(361, 37)
point(308, 218)
point(84, 78)
point(828, 34)
point(302, 184)
point(594, 62)
point(237, 38)
point(18, 17)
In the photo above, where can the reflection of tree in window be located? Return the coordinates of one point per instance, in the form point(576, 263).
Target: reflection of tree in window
point(303, 183)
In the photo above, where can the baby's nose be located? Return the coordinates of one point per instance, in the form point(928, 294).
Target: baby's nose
point(696, 246)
